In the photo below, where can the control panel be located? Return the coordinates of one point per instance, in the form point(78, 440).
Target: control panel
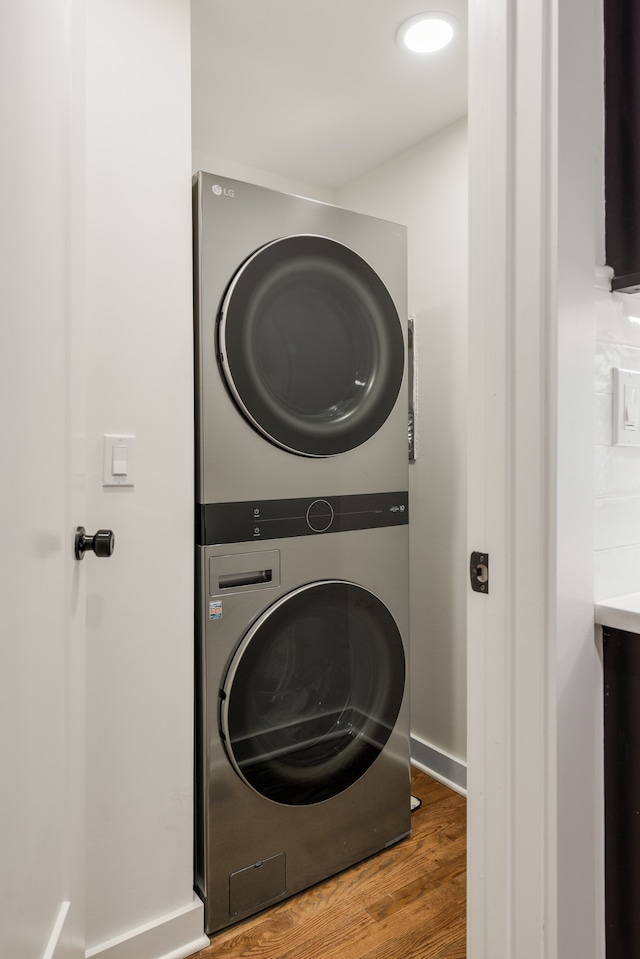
point(308, 516)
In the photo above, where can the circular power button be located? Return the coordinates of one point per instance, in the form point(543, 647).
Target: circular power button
point(320, 516)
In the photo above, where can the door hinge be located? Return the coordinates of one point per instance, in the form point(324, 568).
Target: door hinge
point(479, 572)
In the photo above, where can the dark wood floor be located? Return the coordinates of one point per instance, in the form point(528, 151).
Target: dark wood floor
point(408, 902)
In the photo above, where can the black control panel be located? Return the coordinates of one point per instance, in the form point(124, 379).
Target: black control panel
point(276, 519)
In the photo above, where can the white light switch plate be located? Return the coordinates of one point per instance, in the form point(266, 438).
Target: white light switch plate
point(118, 460)
point(626, 408)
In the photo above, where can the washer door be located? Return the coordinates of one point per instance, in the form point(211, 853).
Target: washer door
point(313, 692)
point(311, 345)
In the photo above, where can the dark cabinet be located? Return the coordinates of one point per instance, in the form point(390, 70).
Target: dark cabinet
point(622, 142)
point(622, 792)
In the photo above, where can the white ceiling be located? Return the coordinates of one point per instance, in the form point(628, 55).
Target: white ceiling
point(319, 90)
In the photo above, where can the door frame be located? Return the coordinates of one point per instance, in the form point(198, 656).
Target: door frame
point(535, 831)
point(72, 943)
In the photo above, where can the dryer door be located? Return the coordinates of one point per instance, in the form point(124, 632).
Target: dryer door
point(311, 345)
point(313, 692)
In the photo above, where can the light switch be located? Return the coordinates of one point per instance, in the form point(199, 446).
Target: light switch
point(118, 460)
point(630, 407)
point(626, 408)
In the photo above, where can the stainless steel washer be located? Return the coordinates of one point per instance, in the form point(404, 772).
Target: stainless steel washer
point(303, 757)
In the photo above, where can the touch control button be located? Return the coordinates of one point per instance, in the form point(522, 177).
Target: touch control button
point(320, 516)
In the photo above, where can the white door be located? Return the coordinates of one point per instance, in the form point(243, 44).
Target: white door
point(534, 827)
point(42, 625)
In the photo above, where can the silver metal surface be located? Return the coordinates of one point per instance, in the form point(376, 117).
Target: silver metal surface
point(235, 461)
point(252, 851)
point(237, 827)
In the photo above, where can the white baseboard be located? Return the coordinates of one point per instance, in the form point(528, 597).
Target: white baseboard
point(173, 936)
point(438, 764)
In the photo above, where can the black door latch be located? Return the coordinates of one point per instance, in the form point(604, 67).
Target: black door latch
point(479, 572)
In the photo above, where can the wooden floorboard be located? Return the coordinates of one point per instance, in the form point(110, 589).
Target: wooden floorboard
point(408, 902)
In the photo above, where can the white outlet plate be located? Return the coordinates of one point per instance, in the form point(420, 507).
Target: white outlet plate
point(626, 408)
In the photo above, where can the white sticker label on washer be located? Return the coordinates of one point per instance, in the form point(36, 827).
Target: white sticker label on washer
point(215, 609)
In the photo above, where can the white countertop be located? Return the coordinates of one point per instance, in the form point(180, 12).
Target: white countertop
point(620, 612)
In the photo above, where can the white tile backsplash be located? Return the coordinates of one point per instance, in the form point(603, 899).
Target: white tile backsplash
point(618, 318)
point(617, 571)
point(617, 468)
point(610, 356)
point(617, 521)
point(604, 419)
point(617, 471)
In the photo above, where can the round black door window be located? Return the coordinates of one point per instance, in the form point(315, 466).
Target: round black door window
point(313, 693)
point(311, 345)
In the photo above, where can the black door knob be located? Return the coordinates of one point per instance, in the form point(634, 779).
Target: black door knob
point(102, 544)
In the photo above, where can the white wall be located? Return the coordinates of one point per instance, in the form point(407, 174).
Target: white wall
point(426, 189)
point(617, 488)
point(139, 371)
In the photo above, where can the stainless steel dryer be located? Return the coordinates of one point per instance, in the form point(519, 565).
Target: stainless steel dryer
point(300, 346)
point(302, 734)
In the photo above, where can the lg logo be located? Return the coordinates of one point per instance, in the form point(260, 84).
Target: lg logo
point(222, 191)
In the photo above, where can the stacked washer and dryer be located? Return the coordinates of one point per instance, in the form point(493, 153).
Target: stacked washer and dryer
point(302, 727)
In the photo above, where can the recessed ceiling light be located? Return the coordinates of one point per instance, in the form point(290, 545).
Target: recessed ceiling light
point(427, 32)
